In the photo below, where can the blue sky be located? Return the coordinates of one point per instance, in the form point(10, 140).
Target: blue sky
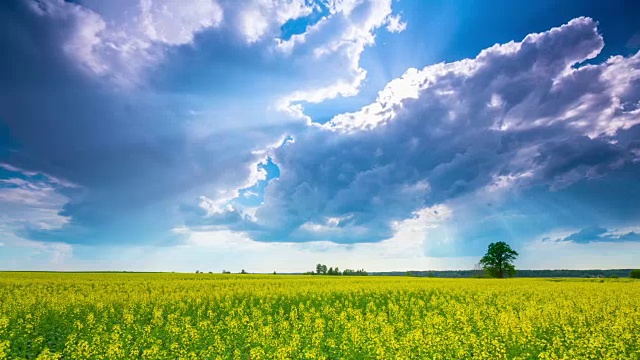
point(273, 135)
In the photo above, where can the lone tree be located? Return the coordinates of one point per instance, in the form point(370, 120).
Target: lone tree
point(498, 261)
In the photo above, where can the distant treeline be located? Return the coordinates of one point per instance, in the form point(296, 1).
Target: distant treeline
point(520, 273)
point(322, 270)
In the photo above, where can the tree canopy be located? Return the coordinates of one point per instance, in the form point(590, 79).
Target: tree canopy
point(498, 261)
point(321, 269)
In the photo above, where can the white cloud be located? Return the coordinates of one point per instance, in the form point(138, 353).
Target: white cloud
point(174, 23)
point(337, 41)
point(259, 20)
point(254, 25)
point(395, 24)
point(33, 201)
point(593, 113)
point(120, 40)
point(506, 182)
point(518, 115)
point(390, 99)
point(50, 178)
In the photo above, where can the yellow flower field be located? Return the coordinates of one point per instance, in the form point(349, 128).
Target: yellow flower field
point(204, 316)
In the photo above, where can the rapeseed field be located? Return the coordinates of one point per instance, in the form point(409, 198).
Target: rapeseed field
point(205, 316)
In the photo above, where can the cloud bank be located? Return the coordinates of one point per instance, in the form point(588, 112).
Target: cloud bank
point(530, 119)
point(114, 110)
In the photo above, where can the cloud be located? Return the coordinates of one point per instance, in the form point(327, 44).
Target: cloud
point(31, 200)
point(598, 234)
point(135, 156)
point(525, 116)
point(337, 42)
point(257, 20)
point(173, 23)
point(149, 107)
point(395, 24)
point(180, 146)
point(120, 41)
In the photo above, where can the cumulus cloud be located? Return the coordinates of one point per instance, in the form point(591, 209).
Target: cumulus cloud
point(337, 42)
point(134, 156)
point(148, 148)
point(121, 41)
point(259, 20)
point(124, 42)
point(525, 116)
point(438, 163)
point(172, 22)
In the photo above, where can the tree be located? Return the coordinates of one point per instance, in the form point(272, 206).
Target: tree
point(498, 261)
point(243, 272)
point(321, 269)
point(350, 272)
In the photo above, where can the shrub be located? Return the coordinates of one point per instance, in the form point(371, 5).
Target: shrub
point(634, 274)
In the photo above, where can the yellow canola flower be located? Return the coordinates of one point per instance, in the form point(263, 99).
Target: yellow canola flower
point(187, 316)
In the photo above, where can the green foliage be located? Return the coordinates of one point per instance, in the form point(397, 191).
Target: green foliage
point(498, 261)
point(322, 270)
point(349, 272)
point(634, 274)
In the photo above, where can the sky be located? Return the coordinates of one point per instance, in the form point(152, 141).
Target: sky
point(156, 135)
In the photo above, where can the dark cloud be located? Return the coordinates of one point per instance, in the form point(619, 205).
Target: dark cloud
point(598, 234)
point(145, 124)
point(528, 114)
point(135, 154)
